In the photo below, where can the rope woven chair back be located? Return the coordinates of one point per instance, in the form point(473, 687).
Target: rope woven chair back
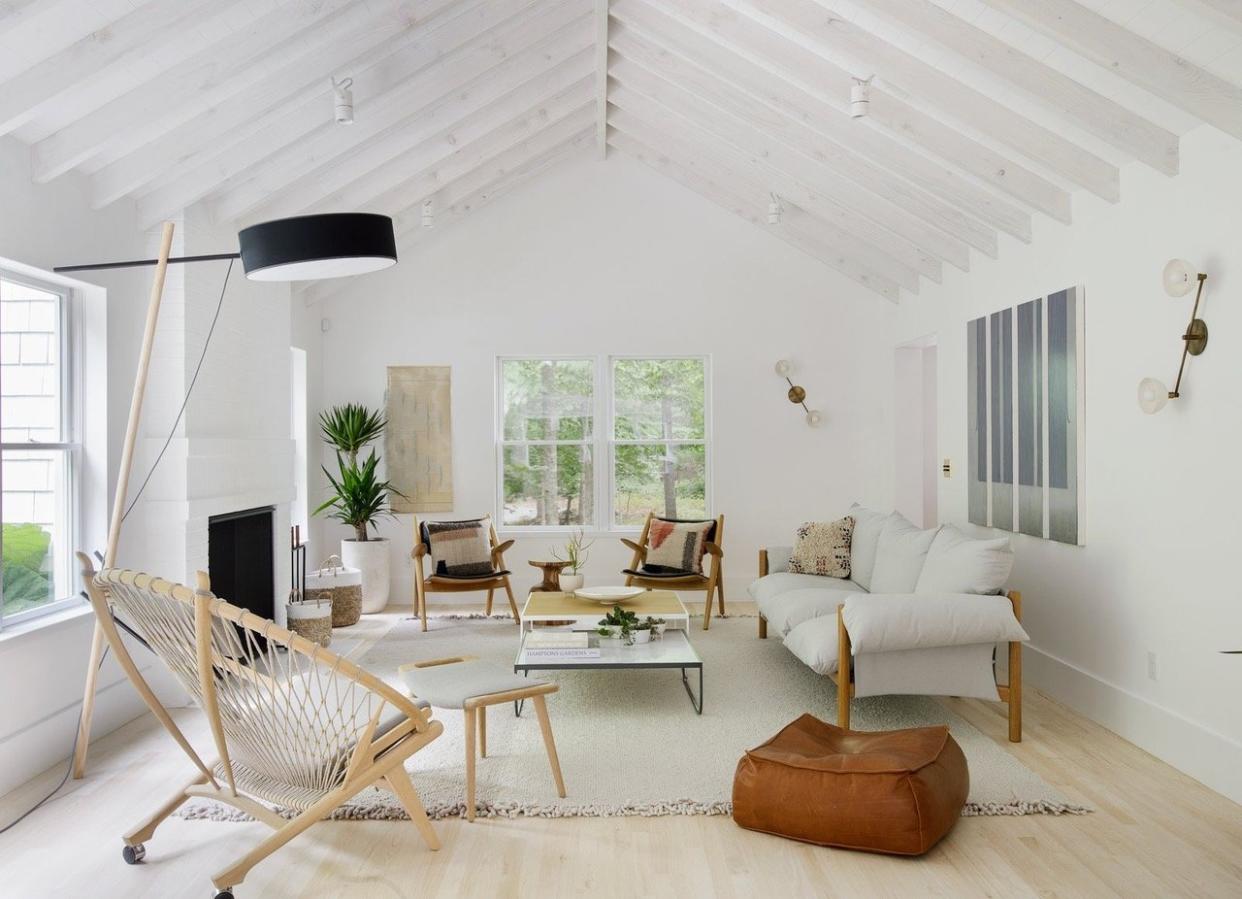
point(286, 714)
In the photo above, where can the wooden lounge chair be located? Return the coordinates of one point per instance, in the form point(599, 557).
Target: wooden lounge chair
point(437, 581)
point(642, 575)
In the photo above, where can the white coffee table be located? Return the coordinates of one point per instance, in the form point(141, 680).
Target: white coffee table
point(671, 651)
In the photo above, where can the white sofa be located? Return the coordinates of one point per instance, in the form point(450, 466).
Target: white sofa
point(921, 612)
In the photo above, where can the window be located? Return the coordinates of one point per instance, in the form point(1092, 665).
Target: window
point(598, 443)
point(38, 503)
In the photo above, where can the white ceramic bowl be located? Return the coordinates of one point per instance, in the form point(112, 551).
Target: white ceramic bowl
point(609, 595)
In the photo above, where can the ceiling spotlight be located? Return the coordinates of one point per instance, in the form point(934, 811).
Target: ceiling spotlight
point(343, 101)
point(860, 96)
point(774, 210)
point(429, 215)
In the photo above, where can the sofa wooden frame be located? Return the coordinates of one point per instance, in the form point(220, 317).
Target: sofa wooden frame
point(376, 759)
point(431, 583)
point(1009, 693)
point(712, 583)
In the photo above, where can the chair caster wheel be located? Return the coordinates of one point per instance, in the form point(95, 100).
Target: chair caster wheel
point(134, 854)
point(224, 894)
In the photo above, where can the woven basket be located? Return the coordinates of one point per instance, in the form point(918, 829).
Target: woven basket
point(311, 619)
point(343, 586)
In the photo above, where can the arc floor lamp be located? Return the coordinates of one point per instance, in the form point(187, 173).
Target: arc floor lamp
point(303, 248)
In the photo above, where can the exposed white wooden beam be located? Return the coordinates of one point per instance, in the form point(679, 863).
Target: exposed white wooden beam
point(822, 178)
point(363, 181)
point(636, 113)
point(1226, 12)
point(1095, 113)
point(601, 77)
point(205, 80)
point(352, 42)
point(830, 120)
point(751, 178)
point(832, 34)
point(1138, 60)
point(835, 152)
point(459, 84)
point(816, 76)
point(446, 50)
point(456, 201)
point(723, 192)
point(15, 12)
point(124, 43)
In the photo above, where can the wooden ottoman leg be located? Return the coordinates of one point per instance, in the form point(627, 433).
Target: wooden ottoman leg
point(541, 709)
point(469, 715)
point(482, 713)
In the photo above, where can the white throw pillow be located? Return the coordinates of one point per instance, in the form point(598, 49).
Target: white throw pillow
point(959, 564)
point(867, 527)
point(814, 643)
point(899, 556)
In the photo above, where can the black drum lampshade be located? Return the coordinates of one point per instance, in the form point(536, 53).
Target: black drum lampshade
point(315, 247)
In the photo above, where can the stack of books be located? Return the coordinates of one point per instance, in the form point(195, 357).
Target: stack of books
point(549, 644)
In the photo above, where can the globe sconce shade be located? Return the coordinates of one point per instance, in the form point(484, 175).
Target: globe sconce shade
point(1179, 277)
point(316, 247)
point(813, 418)
point(783, 368)
point(1152, 395)
point(796, 393)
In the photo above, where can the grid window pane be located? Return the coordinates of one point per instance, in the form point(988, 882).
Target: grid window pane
point(548, 485)
point(658, 399)
point(30, 365)
point(37, 539)
point(669, 481)
point(548, 399)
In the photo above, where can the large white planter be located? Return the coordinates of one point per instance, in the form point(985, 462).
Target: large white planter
point(371, 558)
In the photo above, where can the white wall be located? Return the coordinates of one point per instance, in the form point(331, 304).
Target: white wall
point(609, 257)
point(1162, 525)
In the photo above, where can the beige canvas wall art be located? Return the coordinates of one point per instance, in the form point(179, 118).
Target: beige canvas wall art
point(419, 437)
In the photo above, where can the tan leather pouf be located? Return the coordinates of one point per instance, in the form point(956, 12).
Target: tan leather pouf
point(893, 791)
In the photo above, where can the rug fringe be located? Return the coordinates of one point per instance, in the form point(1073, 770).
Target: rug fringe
point(212, 811)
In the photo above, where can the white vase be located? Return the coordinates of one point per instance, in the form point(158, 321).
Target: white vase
point(371, 558)
point(572, 582)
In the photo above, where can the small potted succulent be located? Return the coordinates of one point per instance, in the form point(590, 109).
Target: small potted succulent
point(623, 624)
point(576, 555)
point(657, 625)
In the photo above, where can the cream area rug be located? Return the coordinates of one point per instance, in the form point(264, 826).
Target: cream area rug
point(630, 742)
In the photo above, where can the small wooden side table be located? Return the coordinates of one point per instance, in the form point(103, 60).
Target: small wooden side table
point(551, 576)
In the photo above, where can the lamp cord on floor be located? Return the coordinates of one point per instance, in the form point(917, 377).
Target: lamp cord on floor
point(154, 465)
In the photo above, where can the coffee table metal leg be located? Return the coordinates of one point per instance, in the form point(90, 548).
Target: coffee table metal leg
point(519, 704)
point(685, 681)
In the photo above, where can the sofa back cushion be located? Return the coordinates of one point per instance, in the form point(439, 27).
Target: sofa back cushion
point(959, 564)
point(899, 556)
point(823, 548)
point(867, 527)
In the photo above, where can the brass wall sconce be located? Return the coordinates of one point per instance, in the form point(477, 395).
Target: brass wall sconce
point(797, 395)
point(1179, 278)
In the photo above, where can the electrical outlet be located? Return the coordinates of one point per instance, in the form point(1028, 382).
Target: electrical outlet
point(1152, 669)
point(947, 468)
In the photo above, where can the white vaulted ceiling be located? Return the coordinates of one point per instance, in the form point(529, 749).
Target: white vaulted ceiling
point(984, 113)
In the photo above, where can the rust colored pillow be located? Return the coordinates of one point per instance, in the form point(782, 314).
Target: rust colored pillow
point(895, 791)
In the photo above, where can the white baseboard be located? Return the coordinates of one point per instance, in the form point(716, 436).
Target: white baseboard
point(1209, 757)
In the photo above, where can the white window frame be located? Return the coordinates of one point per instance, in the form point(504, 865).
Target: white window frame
point(70, 443)
point(602, 443)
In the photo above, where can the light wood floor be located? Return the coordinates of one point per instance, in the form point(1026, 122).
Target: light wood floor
point(1156, 833)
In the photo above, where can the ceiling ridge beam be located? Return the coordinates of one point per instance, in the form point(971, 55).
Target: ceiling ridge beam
point(1134, 58)
point(1093, 112)
point(120, 43)
point(820, 177)
point(817, 76)
point(213, 131)
point(722, 195)
point(361, 183)
point(200, 81)
point(739, 170)
point(786, 97)
point(832, 33)
point(430, 101)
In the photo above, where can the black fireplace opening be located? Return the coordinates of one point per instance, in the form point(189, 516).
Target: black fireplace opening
point(241, 559)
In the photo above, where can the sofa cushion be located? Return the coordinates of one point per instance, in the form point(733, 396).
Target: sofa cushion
point(823, 548)
point(881, 623)
point(867, 527)
point(814, 643)
point(959, 564)
point(789, 609)
point(773, 585)
point(899, 556)
point(778, 558)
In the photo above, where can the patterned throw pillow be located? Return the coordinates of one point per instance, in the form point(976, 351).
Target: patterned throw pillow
point(460, 548)
point(677, 545)
point(823, 548)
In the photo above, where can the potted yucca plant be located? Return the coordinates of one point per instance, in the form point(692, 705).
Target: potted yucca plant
point(359, 496)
